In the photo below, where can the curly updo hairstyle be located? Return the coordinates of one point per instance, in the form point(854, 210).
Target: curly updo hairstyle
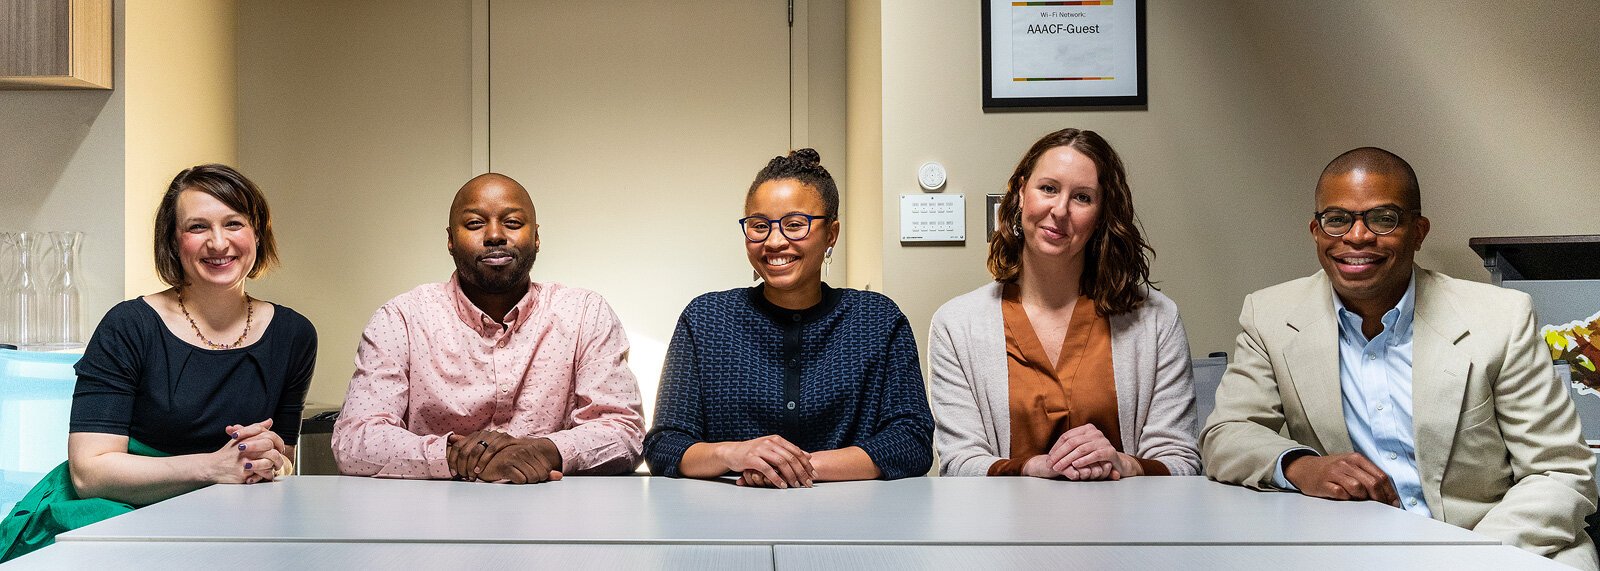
point(804, 166)
point(1116, 269)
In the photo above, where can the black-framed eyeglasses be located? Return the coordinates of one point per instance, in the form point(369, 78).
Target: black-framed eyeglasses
point(1382, 220)
point(795, 227)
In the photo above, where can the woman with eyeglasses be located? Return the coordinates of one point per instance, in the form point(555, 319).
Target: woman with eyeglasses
point(1069, 364)
point(791, 382)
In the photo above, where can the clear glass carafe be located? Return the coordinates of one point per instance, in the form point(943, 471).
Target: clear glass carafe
point(60, 315)
point(8, 271)
point(21, 294)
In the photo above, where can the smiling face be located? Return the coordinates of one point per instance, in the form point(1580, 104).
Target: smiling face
point(1060, 205)
point(790, 266)
point(493, 235)
point(1368, 269)
point(216, 244)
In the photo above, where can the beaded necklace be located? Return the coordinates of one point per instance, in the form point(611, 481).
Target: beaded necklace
point(249, 312)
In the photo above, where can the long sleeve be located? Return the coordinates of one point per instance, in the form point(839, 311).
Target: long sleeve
point(371, 437)
point(1544, 510)
point(902, 445)
point(1168, 433)
point(678, 420)
point(963, 450)
point(1241, 442)
point(605, 425)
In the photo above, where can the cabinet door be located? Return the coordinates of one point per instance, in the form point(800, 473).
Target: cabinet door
point(637, 126)
point(55, 44)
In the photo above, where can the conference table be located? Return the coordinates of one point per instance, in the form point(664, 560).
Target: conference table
point(662, 523)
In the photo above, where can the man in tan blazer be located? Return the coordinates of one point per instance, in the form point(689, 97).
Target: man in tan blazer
point(1378, 380)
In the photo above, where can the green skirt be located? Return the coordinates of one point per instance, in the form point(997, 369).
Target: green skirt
point(53, 506)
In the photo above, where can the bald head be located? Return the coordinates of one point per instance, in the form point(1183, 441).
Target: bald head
point(505, 187)
point(1374, 161)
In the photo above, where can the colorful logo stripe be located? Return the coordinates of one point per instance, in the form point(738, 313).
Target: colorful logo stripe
point(1064, 3)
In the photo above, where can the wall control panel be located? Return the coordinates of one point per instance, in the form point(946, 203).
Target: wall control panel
point(933, 218)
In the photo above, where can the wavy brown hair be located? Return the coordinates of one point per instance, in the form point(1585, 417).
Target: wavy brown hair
point(1116, 269)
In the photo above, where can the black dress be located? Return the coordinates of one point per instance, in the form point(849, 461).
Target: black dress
point(137, 379)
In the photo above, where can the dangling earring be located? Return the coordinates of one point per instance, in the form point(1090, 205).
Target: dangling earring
point(755, 276)
point(827, 260)
point(1016, 230)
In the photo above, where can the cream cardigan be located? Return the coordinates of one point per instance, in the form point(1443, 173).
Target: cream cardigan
point(971, 392)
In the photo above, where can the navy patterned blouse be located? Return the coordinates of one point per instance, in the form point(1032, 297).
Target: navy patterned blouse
point(841, 373)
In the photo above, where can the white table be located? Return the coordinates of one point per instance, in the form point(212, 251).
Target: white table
point(634, 510)
point(167, 556)
point(1142, 557)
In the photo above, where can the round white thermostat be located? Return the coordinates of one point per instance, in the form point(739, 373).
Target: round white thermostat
point(931, 176)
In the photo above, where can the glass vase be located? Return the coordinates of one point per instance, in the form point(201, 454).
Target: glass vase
point(62, 314)
point(22, 295)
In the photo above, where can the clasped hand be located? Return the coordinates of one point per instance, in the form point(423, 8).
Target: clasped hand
point(1083, 453)
point(769, 462)
point(254, 453)
point(493, 456)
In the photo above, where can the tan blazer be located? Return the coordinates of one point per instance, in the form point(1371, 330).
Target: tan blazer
point(1498, 443)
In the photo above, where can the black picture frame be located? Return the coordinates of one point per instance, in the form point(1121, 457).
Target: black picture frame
point(992, 103)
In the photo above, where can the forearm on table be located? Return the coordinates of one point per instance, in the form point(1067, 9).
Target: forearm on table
point(703, 460)
point(376, 449)
point(844, 464)
point(140, 480)
point(607, 445)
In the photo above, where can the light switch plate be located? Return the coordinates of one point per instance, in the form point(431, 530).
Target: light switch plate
point(933, 218)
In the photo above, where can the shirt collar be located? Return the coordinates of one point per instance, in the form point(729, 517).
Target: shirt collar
point(480, 321)
point(1397, 320)
point(830, 300)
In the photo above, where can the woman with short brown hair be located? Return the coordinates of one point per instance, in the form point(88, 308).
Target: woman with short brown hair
point(192, 386)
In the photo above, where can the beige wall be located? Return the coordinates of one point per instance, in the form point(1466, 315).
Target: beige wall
point(1492, 102)
point(356, 120)
point(863, 183)
point(180, 111)
point(61, 168)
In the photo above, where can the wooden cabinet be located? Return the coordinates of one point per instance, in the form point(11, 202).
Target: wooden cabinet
point(55, 44)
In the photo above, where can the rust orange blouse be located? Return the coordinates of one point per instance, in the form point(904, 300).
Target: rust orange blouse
point(1046, 400)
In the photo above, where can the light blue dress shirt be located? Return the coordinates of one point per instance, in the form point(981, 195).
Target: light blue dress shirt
point(1375, 382)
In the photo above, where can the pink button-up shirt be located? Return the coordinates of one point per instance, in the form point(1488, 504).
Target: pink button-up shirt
point(432, 364)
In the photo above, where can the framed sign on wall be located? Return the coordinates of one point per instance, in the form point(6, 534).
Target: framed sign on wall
point(1063, 54)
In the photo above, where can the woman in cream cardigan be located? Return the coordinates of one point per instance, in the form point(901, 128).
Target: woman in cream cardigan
point(1068, 365)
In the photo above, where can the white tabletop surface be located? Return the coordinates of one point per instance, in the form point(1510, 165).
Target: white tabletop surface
point(1143, 557)
point(168, 555)
point(171, 555)
point(959, 511)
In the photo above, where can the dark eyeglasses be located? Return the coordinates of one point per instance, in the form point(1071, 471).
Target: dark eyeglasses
point(1382, 220)
point(795, 227)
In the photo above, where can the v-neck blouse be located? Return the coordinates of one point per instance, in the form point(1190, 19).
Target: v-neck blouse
point(1047, 401)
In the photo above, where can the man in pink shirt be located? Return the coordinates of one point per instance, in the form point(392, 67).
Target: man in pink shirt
point(491, 376)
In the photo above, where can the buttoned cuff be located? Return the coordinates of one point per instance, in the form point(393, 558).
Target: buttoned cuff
point(436, 453)
point(1278, 479)
point(567, 445)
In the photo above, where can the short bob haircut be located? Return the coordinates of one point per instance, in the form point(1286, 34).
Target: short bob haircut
point(233, 189)
point(1116, 270)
